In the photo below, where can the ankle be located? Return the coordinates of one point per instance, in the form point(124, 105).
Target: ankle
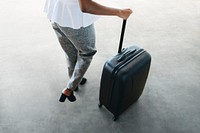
point(67, 92)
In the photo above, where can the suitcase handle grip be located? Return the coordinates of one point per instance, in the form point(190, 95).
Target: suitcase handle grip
point(122, 36)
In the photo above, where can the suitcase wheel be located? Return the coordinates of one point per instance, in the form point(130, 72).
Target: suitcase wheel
point(115, 118)
point(100, 105)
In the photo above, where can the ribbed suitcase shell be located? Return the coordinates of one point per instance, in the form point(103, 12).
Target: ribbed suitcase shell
point(123, 79)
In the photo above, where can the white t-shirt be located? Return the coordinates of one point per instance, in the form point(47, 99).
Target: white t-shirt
point(67, 13)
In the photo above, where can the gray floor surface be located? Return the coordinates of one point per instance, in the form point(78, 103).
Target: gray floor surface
point(33, 71)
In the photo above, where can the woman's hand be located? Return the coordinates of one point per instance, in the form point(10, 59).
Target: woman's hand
point(125, 13)
point(90, 6)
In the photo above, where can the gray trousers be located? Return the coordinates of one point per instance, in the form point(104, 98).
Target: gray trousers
point(79, 46)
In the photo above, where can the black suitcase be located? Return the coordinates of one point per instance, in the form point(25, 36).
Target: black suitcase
point(123, 78)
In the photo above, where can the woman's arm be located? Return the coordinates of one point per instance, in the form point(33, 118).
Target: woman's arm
point(89, 6)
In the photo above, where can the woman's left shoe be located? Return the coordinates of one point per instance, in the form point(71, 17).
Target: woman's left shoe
point(71, 97)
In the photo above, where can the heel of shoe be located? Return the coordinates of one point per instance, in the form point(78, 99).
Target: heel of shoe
point(62, 98)
point(76, 89)
point(83, 81)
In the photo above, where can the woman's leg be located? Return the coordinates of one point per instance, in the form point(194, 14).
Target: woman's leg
point(68, 47)
point(83, 40)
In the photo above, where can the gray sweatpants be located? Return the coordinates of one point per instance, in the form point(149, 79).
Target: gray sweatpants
point(79, 46)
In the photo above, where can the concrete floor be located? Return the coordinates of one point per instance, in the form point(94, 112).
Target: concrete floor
point(33, 71)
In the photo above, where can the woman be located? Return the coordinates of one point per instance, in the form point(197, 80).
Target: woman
point(73, 21)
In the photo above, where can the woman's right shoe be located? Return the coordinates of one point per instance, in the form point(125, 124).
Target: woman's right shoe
point(71, 97)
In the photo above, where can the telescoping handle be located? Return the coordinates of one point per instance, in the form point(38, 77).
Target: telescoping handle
point(122, 36)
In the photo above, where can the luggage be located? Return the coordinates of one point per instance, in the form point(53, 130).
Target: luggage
point(123, 78)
